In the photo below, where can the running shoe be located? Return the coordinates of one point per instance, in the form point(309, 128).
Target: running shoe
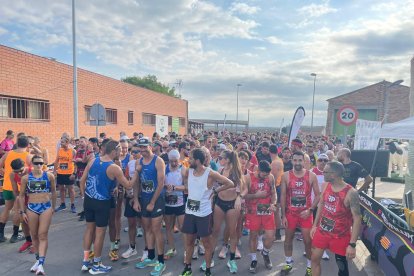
point(186, 273)
point(223, 251)
point(232, 265)
point(126, 229)
point(201, 249)
point(253, 267)
point(40, 270)
point(73, 208)
point(144, 255)
point(158, 269)
point(25, 246)
point(85, 265)
point(245, 232)
point(237, 253)
point(99, 269)
point(130, 252)
point(204, 266)
point(61, 207)
point(195, 253)
point(145, 263)
point(16, 238)
point(140, 232)
point(287, 267)
point(2, 237)
point(325, 256)
point(114, 255)
point(308, 271)
point(267, 261)
point(35, 266)
point(170, 253)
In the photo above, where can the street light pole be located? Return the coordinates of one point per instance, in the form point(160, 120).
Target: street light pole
point(386, 87)
point(237, 106)
point(75, 75)
point(313, 99)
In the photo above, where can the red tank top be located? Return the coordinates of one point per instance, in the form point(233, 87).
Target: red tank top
point(298, 193)
point(336, 218)
point(259, 206)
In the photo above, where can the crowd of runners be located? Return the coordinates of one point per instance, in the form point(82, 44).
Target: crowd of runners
point(213, 187)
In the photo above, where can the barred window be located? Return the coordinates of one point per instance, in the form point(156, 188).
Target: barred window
point(111, 115)
point(148, 119)
point(22, 108)
point(130, 117)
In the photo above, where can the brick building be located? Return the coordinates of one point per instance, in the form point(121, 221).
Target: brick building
point(370, 102)
point(36, 97)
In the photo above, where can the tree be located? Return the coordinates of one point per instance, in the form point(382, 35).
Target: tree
point(150, 82)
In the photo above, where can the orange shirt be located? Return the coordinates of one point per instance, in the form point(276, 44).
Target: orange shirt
point(11, 155)
point(185, 162)
point(65, 161)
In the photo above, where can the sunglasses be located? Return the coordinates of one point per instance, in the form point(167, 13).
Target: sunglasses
point(323, 160)
point(38, 163)
point(134, 151)
point(19, 171)
point(165, 147)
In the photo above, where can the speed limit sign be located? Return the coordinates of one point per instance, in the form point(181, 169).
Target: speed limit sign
point(347, 115)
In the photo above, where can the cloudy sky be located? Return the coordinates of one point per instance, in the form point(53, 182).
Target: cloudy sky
point(268, 46)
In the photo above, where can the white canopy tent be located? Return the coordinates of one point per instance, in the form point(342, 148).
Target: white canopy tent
point(403, 129)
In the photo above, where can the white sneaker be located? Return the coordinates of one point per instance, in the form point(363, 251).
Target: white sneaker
point(126, 229)
point(140, 232)
point(260, 243)
point(130, 252)
point(195, 253)
point(144, 255)
point(40, 270)
point(201, 249)
point(325, 256)
point(35, 266)
point(223, 252)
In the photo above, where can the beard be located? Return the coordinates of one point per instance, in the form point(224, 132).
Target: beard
point(186, 154)
point(193, 166)
point(298, 167)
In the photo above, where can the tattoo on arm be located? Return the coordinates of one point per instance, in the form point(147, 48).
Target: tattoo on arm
point(354, 203)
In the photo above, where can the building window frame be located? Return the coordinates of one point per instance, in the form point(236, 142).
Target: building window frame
point(148, 119)
point(25, 109)
point(110, 113)
point(130, 117)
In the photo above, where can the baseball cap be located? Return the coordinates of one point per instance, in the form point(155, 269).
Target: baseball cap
point(222, 147)
point(144, 141)
point(323, 156)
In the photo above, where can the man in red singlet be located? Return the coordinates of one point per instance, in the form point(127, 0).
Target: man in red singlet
point(261, 205)
point(297, 207)
point(338, 211)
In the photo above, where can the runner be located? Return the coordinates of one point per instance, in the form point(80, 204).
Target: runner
point(297, 207)
point(100, 178)
point(263, 152)
point(184, 150)
point(228, 207)
point(198, 212)
point(338, 220)
point(8, 143)
point(149, 187)
point(8, 195)
point(174, 199)
point(260, 204)
point(277, 172)
point(65, 173)
point(287, 159)
point(38, 186)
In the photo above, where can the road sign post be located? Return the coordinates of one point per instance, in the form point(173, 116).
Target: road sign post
point(98, 116)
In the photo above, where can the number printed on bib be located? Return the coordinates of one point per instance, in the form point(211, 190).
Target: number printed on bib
point(263, 209)
point(148, 186)
point(171, 199)
point(193, 205)
point(63, 166)
point(37, 185)
point(298, 201)
point(327, 224)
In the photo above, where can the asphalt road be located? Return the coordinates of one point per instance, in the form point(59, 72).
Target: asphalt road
point(65, 254)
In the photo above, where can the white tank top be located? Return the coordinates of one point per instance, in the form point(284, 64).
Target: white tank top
point(131, 168)
point(198, 202)
point(174, 198)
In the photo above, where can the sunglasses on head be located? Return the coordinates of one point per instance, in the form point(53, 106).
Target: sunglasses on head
point(19, 171)
point(38, 163)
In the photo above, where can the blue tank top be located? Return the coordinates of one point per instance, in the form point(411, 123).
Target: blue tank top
point(38, 185)
point(148, 178)
point(98, 185)
point(124, 162)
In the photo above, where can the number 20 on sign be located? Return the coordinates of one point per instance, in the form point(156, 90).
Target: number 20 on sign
point(347, 115)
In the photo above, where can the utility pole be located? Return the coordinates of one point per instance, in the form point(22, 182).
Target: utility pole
point(75, 76)
point(237, 110)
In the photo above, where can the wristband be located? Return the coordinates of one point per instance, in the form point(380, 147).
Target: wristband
point(22, 212)
point(352, 244)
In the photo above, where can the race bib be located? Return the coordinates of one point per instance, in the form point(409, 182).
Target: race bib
point(298, 201)
point(148, 186)
point(63, 166)
point(193, 205)
point(171, 199)
point(263, 210)
point(37, 185)
point(327, 224)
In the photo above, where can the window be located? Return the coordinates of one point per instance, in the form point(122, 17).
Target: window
point(111, 115)
point(21, 108)
point(148, 119)
point(169, 121)
point(182, 122)
point(130, 117)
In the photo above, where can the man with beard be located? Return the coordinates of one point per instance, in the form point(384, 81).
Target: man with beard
point(297, 207)
point(353, 170)
point(199, 181)
point(287, 159)
point(149, 189)
point(263, 153)
point(338, 220)
point(100, 178)
point(184, 150)
point(260, 204)
point(296, 146)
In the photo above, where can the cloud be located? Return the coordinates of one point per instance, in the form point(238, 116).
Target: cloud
point(3, 31)
point(274, 40)
point(315, 10)
point(242, 8)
